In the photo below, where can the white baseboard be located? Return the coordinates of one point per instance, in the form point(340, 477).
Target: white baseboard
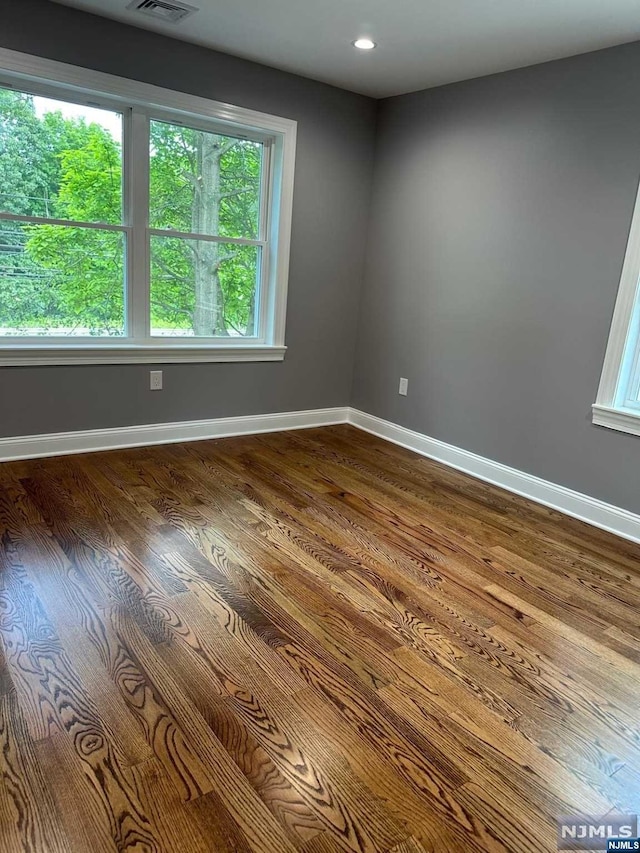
point(606, 516)
point(86, 441)
point(595, 512)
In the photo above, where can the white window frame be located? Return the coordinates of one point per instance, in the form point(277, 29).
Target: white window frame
point(139, 102)
point(616, 403)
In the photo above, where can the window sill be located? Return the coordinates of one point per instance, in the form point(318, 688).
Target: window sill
point(623, 420)
point(37, 356)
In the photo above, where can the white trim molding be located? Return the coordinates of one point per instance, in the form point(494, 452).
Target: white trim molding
point(621, 419)
point(93, 440)
point(590, 510)
point(29, 66)
point(583, 507)
point(132, 354)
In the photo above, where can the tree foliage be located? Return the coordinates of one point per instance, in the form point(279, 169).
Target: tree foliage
point(57, 277)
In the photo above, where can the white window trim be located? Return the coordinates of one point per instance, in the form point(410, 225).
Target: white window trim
point(609, 409)
point(70, 79)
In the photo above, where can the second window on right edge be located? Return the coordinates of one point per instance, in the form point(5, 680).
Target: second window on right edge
point(618, 400)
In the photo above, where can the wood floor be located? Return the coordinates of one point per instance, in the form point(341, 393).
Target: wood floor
point(311, 641)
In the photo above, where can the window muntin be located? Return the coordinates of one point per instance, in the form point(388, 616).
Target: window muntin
point(248, 226)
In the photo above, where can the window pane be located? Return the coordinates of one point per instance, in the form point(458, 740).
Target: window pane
point(60, 280)
point(59, 160)
point(204, 183)
point(204, 289)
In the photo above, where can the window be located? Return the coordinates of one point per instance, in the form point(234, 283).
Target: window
point(138, 224)
point(208, 188)
point(62, 233)
point(618, 401)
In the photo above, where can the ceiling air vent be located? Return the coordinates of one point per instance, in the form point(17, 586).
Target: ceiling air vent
point(170, 13)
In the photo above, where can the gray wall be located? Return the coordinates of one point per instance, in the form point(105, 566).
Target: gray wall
point(501, 209)
point(332, 187)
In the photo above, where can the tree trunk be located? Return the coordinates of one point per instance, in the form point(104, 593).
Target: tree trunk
point(208, 315)
point(251, 316)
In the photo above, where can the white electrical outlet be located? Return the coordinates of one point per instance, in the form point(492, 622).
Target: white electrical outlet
point(404, 387)
point(155, 380)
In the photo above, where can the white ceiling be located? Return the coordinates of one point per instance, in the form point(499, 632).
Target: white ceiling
point(421, 43)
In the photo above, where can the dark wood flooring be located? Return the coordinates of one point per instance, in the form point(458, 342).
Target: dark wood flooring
point(311, 641)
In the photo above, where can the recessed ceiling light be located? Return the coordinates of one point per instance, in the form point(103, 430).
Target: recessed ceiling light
point(364, 44)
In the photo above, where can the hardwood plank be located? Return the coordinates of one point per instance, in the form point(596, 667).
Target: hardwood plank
point(313, 641)
point(324, 843)
point(240, 800)
point(308, 762)
point(197, 827)
point(411, 846)
point(86, 824)
point(28, 818)
point(56, 702)
point(281, 797)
